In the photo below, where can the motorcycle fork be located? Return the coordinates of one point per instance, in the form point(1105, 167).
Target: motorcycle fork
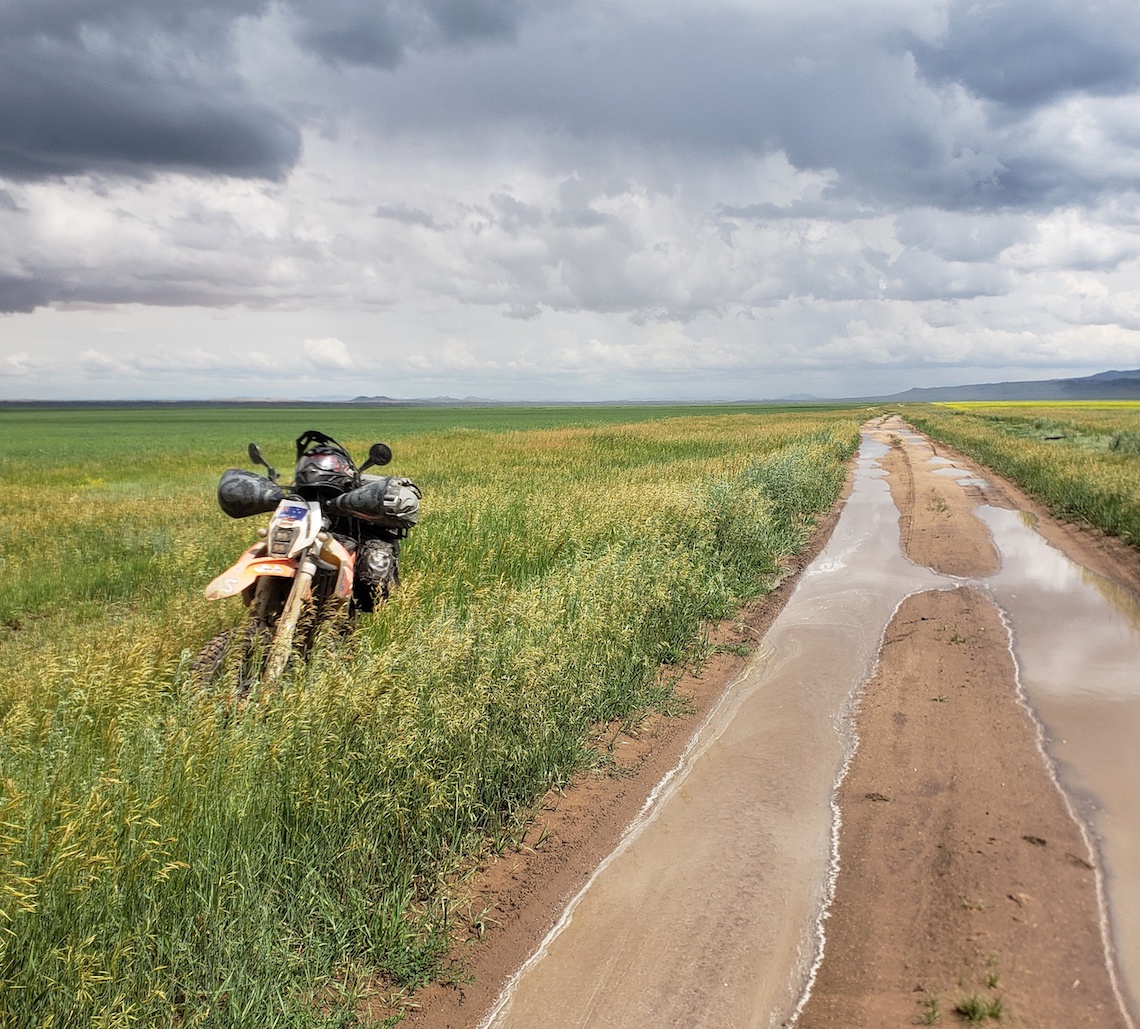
point(282, 644)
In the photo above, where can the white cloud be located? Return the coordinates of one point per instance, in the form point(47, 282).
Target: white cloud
point(1076, 239)
point(102, 365)
point(328, 351)
point(20, 363)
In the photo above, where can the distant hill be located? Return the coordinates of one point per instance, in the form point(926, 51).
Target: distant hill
point(1112, 385)
point(382, 401)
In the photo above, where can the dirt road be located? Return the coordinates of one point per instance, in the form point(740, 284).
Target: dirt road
point(960, 877)
point(964, 878)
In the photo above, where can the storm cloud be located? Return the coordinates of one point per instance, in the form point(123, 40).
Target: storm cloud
point(1025, 54)
point(131, 88)
point(551, 194)
point(381, 35)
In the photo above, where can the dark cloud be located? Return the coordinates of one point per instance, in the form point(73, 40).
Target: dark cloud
point(347, 32)
point(462, 20)
point(713, 83)
point(131, 88)
point(381, 34)
point(22, 295)
point(137, 86)
point(655, 162)
point(899, 120)
point(1028, 52)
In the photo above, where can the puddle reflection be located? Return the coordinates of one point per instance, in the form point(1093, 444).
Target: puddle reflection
point(1079, 631)
point(1077, 642)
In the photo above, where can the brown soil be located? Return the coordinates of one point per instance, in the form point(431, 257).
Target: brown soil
point(962, 873)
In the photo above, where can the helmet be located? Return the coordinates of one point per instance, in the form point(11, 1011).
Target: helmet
point(323, 466)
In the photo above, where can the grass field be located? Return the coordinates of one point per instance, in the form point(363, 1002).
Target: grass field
point(169, 860)
point(1080, 459)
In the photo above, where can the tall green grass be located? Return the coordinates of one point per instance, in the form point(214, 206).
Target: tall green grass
point(1081, 460)
point(169, 859)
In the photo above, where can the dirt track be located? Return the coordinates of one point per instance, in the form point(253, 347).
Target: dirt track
point(962, 872)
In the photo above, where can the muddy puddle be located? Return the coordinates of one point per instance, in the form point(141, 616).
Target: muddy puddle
point(707, 914)
point(710, 911)
point(1077, 644)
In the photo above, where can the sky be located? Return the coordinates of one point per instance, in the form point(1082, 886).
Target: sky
point(564, 200)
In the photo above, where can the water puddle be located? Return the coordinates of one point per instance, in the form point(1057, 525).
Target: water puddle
point(1077, 643)
point(960, 477)
point(709, 913)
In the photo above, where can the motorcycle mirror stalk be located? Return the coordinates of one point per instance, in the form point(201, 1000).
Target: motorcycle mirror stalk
point(254, 452)
point(378, 454)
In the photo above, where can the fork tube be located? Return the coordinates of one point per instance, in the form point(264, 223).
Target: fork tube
point(286, 625)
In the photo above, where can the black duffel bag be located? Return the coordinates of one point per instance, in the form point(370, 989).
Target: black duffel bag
point(384, 500)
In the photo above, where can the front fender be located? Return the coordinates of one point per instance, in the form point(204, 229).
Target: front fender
point(332, 553)
point(247, 570)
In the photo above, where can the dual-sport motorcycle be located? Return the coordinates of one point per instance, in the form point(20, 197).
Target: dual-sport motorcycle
point(330, 550)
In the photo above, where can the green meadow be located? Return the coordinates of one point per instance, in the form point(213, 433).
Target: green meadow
point(170, 859)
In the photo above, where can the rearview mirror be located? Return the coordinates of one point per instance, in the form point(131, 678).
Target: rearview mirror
point(378, 454)
point(254, 452)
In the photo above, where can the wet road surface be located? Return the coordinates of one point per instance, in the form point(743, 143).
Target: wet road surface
point(710, 911)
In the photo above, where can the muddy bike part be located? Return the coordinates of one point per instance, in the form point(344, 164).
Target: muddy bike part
point(208, 661)
point(243, 647)
point(282, 645)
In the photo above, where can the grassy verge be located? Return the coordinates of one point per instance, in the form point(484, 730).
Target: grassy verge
point(1082, 461)
point(169, 860)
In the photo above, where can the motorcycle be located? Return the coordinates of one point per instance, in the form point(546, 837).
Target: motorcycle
point(302, 574)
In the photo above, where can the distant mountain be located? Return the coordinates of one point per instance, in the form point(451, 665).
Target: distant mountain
point(382, 401)
point(1112, 385)
point(1115, 375)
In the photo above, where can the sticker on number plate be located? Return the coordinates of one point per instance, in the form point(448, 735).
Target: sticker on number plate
point(273, 568)
point(287, 512)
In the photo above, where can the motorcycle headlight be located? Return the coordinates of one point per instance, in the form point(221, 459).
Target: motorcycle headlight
point(281, 539)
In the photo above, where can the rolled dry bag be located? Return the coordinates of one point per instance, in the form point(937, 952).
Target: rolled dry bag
point(385, 500)
point(242, 493)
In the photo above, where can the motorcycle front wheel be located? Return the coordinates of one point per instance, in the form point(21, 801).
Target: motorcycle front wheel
point(237, 654)
point(240, 653)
